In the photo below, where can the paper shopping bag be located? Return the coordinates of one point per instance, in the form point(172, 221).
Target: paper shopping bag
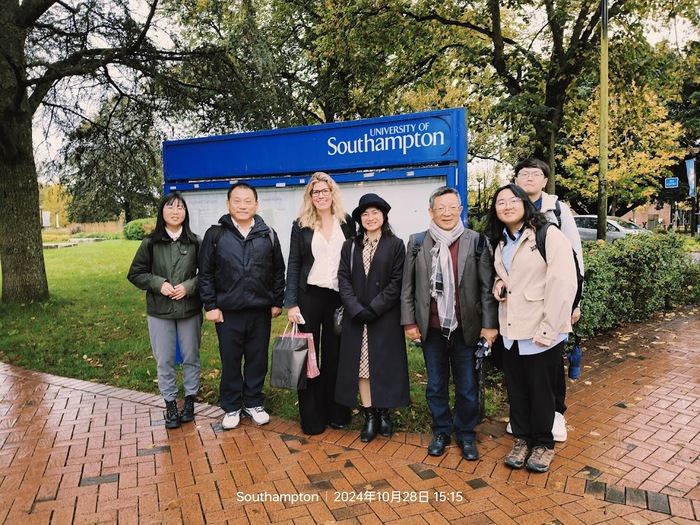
point(289, 355)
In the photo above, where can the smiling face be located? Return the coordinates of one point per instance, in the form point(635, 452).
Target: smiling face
point(242, 205)
point(321, 196)
point(174, 214)
point(532, 180)
point(372, 220)
point(510, 209)
point(446, 211)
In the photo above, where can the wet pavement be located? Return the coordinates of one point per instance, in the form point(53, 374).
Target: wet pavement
point(79, 452)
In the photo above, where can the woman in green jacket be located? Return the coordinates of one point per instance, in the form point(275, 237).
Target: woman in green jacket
point(165, 265)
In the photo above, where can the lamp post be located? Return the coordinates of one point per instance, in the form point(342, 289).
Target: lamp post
point(478, 194)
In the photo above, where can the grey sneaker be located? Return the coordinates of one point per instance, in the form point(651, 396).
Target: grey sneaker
point(540, 459)
point(257, 415)
point(516, 458)
point(231, 420)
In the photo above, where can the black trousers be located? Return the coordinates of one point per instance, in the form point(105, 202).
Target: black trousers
point(317, 405)
point(530, 381)
point(560, 388)
point(244, 338)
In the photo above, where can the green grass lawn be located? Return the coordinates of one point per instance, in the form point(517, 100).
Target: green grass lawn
point(94, 328)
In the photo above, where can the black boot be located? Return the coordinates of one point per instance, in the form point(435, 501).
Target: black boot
point(369, 431)
point(172, 418)
point(187, 413)
point(386, 428)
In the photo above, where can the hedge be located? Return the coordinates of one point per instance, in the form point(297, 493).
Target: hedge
point(137, 229)
point(631, 278)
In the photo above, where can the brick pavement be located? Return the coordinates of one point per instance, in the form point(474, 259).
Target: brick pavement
point(78, 452)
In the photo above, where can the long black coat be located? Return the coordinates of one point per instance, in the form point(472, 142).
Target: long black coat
point(381, 289)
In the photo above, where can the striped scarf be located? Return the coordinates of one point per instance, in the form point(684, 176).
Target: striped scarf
point(442, 282)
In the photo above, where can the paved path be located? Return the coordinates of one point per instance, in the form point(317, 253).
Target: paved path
point(78, 452)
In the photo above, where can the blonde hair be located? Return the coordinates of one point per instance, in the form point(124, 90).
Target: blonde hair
point(308, 217)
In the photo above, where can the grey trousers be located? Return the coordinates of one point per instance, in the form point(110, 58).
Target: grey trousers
point(189, 334)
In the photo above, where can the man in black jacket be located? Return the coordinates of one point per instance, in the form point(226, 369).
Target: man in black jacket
point(241, 282)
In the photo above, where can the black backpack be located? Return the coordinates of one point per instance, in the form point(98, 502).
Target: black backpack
point(540, 242)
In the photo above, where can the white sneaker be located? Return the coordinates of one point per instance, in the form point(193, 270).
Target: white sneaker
point(257, 415)
point(559, 428)
point(231, 420)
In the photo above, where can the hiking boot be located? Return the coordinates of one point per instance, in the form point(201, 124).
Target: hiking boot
point(257, 415)
point(516, 458)
point(172, 418)
point(187, 413)
point(540, 459)
point(231, 420)
point(559, 428)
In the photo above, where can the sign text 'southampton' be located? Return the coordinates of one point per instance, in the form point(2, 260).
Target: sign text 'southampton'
point(402, 142)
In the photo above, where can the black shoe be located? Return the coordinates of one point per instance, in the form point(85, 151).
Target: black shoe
point(172, 418)
point(438, 444)
point(386, 427)
point(187, 413)
point(369, 431)
point(337, 426)
point(469, 450)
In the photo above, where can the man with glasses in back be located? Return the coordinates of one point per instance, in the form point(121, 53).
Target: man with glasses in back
point(531, 175)
point(447, 305)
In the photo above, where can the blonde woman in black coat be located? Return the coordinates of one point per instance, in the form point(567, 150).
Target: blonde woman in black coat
point(317, 236)
point(372, 346)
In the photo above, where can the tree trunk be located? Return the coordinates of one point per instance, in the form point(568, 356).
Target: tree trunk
point(21, 252)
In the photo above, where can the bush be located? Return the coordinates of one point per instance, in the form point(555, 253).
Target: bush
point(633, 277)
point(138, 229)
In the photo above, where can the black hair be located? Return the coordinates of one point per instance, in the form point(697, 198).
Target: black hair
point(242, 185)
point(159, 234)
point(362, 232)
point(532, 162)
point(532, 218)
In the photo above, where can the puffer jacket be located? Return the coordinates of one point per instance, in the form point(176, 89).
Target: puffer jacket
point(539, 293)
point(239, 273)
point(156, 262)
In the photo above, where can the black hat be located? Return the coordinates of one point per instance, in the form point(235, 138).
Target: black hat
point(370, 200)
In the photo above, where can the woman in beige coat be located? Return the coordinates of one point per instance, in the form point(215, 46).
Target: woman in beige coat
point(535, 296)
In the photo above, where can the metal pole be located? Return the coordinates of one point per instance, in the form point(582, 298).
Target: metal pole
point(478, 194)
point(603, 154)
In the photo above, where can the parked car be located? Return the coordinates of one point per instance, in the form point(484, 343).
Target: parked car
point(588, 227)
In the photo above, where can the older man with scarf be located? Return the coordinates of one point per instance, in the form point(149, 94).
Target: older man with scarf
point(447, 305)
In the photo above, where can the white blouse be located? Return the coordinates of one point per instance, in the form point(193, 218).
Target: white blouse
point(324, 270)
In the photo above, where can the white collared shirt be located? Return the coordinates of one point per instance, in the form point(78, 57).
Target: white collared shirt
point(244, 231)
point(174, 235)
point(324, 270)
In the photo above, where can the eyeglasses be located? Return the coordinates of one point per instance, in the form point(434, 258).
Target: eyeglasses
point(502, 203)
point(171, 207)
point(324, 192)
point(442, 209)
point(525, 176)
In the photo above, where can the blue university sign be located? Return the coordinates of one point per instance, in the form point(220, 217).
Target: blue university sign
point(418, 140)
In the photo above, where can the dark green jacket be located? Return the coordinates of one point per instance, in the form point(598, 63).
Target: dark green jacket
point(174, 261)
